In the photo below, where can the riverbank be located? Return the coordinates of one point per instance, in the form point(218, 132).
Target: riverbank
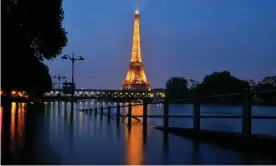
point(227, 102)
point(258, 145)
point(7, 100)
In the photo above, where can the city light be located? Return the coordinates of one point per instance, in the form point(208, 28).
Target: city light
point(2, 93)
point(13, 93)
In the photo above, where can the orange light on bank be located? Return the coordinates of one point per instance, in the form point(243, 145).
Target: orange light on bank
point(13, 92)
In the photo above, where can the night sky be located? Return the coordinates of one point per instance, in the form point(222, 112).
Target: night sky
point(189, 38)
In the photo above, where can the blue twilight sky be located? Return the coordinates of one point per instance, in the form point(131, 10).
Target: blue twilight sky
point(189, 38)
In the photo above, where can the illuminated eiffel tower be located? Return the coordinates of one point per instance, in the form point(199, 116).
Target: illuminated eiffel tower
point(136, 77)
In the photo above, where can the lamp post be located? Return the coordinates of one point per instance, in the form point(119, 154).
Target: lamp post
point(73, 59)
point(59, 77)
point(54, 85)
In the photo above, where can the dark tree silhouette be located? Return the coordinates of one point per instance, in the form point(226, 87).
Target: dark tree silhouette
point(222, 83)
point(39, 79)
point(267, 97)
point(177, 88)
point(268, 83)
point(269, 80)
point(194, 84)
point(32, 31)
point(37, 26)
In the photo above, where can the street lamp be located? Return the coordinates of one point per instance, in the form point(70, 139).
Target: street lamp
point(73, 59)
point(53, 85)
point(59, 77)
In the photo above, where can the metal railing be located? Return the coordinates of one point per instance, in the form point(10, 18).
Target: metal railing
point(246, 111)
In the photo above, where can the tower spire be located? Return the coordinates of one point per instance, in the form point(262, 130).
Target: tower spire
point(136, 77)
point(137, 9)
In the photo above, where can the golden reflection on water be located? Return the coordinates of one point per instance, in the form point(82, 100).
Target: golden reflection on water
point(134, 138)
point(12, 126)
point(21, 125)
point(1, 115)
point(16, 126)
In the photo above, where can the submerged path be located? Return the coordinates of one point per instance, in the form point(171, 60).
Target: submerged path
point(56, 136)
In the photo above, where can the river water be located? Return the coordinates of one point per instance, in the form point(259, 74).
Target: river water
point(53, 134)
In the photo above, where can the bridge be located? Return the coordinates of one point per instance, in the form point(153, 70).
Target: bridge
point(135, 87)
point(155, 94)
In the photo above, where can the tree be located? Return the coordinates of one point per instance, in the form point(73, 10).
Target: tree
point(177, 88)
point(193, 88)
point(37, 26)
point(222, 83)
point(274, 80)
point(32, 31)
point(267, 84)
point(251, 83)
point(269, 80)
point(194, 84)
point(266, 97)
point(38, 81)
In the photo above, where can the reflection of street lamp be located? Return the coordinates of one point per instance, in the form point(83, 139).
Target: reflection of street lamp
point(73, 59)
point(59, 77)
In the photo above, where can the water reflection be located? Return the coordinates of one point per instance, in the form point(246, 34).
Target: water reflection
point(12, 125)
point(134, 137)
point(12, 131)
point(1, 114)
point(21, 124)
point(17, 126)
point(76, 137)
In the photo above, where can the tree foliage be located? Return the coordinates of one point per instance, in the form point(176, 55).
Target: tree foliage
point(33, 27)
point(219, 83)
point(194, 84)
point(177, 88)
point(268, 83)
point(213, 84)
point(269, 80)
point(32, 31)
point(39, 79)
point(222, 83)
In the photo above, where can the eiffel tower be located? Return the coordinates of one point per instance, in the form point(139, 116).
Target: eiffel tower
point(136, 77)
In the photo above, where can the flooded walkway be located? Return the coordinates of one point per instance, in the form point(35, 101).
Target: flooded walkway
point(58, 136)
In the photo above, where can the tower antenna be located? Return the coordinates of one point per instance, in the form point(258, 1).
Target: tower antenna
point(136, 10)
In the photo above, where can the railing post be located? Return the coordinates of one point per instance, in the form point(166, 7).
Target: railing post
point(108, 112)
point(166, 114)
point(197, 115)
point(101, 111)
point(129, 114)
point(118, 113)
point(145, 113)
point(96, 111)
point(246, 114)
